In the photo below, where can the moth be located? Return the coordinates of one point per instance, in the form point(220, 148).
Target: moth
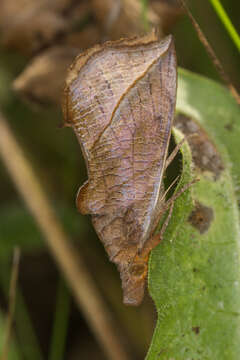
point(119, 98)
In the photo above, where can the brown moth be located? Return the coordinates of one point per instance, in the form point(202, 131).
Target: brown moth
point(120, 100)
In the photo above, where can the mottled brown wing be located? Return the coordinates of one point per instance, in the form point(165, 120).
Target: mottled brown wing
point(99, 78)
point(122, 117)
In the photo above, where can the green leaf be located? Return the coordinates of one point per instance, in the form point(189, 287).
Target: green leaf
point(216, 110)
point(194, 274)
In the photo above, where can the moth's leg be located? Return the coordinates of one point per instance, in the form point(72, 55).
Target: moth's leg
point(82, 199)
point(162, 198)
point(136, 272)
point(155, 239)
point(166, 222)
point(176, 149)
point(161, 203)
point(170, 201)
point(173, 154)
point(139, 266)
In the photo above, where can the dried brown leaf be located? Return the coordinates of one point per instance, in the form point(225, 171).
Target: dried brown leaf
point(122, 18)
point(29, 26)
point(83, 39)
point(31, 30)
point(42, 80)
point(168, 12)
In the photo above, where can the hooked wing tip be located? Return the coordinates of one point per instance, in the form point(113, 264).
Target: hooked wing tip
point(133, 283)
point(135, 296)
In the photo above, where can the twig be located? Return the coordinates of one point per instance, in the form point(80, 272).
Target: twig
point(211, 53)
point(86, 294)
point(12, 301)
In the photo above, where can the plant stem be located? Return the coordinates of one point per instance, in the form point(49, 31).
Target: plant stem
point(12, 302)
point(226, 22)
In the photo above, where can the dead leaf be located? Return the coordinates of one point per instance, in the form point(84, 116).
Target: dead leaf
point(42, 81)
point(168, 12)
point(29, 26)
point(83, 39)
point(119, 18)
point(120, 100)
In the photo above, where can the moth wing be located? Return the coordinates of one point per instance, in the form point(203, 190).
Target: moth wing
point(99, 77)
point(127, 161)
point(125, 139)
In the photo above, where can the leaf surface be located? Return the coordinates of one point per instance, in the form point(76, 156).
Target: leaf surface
point(194, 274)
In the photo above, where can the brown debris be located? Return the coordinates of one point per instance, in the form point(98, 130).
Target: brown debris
point(83, 39)
point(29, 25)
point(42, 80)
point(204, 153)
point(168, 12)
point(230, 126)
point(32, 27)
point(201, 217)
point(196, 329)
point(120, 18)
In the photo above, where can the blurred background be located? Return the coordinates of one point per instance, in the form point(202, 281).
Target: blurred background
point(38, 41)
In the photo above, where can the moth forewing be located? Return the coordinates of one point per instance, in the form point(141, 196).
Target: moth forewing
point(120, 101)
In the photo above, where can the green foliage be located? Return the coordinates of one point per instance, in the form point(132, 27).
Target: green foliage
point(226, 22)
point(194, 275)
